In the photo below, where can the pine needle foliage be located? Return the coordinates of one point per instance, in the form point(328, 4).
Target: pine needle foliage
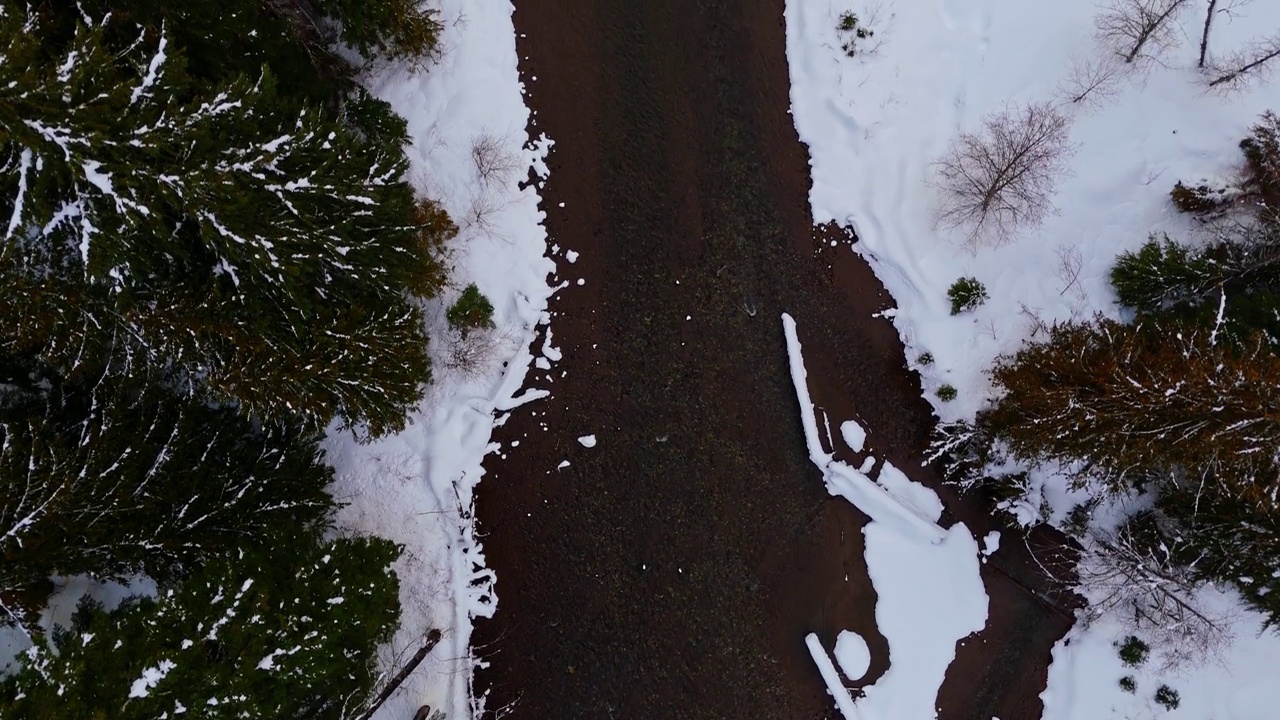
point(288, 633)
point(263, 249)
point(119, 477)
point(1132, 400)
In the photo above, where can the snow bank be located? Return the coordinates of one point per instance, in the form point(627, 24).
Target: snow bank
point(875, 123)
point(927, 580)
point(417, 488)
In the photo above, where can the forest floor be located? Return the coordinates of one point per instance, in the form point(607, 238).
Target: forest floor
point(674, 569)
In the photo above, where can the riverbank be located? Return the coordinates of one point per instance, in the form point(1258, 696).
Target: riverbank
point(673, 569)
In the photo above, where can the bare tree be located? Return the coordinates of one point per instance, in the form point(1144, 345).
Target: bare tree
point(493, 161)
point(1147, 590)
point(1244, 67)
point(1215, 8)
point(1139, 29)
point(1000, 179)
point(1092, 80)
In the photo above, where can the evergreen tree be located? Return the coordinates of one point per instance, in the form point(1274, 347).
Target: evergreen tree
point(1136, 400)
point(1232, 284)
point(288, 633)
point(1227, 537)
point(266, 251)
point(119, 477)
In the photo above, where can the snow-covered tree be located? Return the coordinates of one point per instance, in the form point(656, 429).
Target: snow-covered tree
point(1131, 400)
point(119, 477)
point(261, 247)
point(286, 633)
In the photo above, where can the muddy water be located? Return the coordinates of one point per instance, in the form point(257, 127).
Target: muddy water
point(673, 570)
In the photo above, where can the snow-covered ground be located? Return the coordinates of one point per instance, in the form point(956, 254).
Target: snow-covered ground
point(417, 488)
point(875, 123)
point(929, 592)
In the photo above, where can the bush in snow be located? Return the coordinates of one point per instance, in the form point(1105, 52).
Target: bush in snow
point(118, 477)
point(854, 32)
point(284, 633)
point(1133, 652)
point(1201, 199)
point(925, 359)
point(471, 311)
point(1128, 684)
point(1168, 697)
point(966, 293)
point(947, 393)
point(258, 247)
point(1001, 179)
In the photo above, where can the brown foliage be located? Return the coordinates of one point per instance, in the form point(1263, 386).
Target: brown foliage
point(1132, 400)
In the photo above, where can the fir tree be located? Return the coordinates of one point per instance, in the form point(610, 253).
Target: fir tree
point(288, 633)
point(1228, 537)
point(208, 230)
point(1133, 400)
point(119, 477)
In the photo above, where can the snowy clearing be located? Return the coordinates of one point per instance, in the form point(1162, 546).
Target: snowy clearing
point(928, 586)
point(875, 124)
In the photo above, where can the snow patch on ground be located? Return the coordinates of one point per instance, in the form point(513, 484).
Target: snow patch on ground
point(928, 586)
point(587, 441)
point(852, 654)
point(417, 488)
point(1241, 685)
point(854, 435)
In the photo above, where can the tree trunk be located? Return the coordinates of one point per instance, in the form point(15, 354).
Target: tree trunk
point(428, 644)
point(1204, 36)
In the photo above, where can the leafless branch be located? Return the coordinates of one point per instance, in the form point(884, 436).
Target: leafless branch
point(494, 163)
point(1150, 592)
point(1137, 30)
point(1001, 178)
point(1092, 81)
point(1245, 67)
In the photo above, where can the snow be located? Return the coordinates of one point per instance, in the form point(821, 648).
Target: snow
point(990, 543)
point(24, 165)
point(1086, 669)
point(571, 256)
point(928, 586)
point(417, 488)
point(829, 675)
point(587, 441)
point(854, 435)
point(875, 123)
point(852, 655)
point(150, 678)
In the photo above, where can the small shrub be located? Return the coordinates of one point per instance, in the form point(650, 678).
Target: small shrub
point(925, 359)
point(966, 294)
point(1133, 652)
point(850, 24)
point(1168, 697)
point(1128, 684)
point(1200, 199)
point(470, 311)
point(946, 393)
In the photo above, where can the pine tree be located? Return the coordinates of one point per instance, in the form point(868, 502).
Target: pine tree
point(119, 477)
point(1232, 284)
point(1135, 400)
point(288, 633)
point(1228, 537)
point(207, 230)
